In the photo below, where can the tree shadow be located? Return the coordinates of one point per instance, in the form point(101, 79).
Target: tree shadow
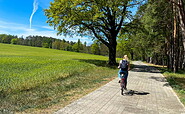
point(134, 92)
point(166, 84)
point(100, 63)
point(145, 68)
point(160, 79)
point(176, 82)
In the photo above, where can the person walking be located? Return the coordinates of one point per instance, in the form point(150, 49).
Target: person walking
point(124, 67)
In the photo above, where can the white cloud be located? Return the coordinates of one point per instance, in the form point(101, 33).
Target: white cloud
point(12, 28)
point(39, 33)
point(23, 30)
point(35, 7)
point(3, 32)
point(48, 27)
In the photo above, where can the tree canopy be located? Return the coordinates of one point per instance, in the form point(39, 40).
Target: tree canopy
point(100, 19)
point(159, 33)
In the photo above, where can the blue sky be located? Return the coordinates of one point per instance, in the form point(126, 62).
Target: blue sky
point(15, 16)
point(15, 19)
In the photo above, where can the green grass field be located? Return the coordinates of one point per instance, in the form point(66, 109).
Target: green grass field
point(34, 78)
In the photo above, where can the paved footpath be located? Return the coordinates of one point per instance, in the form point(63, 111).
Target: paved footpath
point(151, 94)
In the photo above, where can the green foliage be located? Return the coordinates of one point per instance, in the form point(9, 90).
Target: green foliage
point(56, 45)
point(14, 41)
point(78, 47)
point(6, 38)
point(103, 49)
point(99, 48)
point(48, 42)
point(95, 49)
point(146, 34)
point(45, 45)
point(125, 45)
point(100, 19)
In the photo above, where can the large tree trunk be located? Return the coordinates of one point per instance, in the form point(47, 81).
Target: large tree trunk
point(112, 51)
point(178, 9)
point(175, 65)
point(112, 56)
point(181, 53)
point(132, 55)
point(182, 26)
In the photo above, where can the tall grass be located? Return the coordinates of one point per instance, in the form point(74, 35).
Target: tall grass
point(32, 77)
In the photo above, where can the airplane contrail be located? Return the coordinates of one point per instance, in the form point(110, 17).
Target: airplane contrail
point(35, 7)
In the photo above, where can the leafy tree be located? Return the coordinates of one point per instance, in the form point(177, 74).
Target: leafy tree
point(123, 47)
point(4, 38)
point(56, 44)
point(64, 45)
point(14, 41)
point(158, 30)
point(69, 48)
point(45, 45)
point(103, 49)
point(95, 49)
point(77, 47)
point(101, 19)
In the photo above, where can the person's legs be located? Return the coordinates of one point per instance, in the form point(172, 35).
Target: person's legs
point(119, 75)
point(125, 81)
point(125, 77)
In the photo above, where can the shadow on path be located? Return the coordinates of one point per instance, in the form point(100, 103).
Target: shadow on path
point(101, 63)
point(160, 79)
point(133, 92)
point(145, 68)
point(151, 69)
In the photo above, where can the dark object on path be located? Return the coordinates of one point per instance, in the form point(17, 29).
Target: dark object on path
point(132, 92)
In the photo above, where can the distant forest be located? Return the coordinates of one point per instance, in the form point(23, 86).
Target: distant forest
point(96, 48)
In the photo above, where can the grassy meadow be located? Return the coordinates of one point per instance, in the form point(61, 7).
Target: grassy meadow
point(36, 79)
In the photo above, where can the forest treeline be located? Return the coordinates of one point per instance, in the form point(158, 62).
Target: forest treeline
point(96, 47)
point(157, 34)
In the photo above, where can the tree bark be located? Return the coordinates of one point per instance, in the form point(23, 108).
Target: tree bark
point(181, 12)
point(178, 9)
point(132, 55)
point(182, 26)
point(112, 50)
point(112, 56)
point(175, 40)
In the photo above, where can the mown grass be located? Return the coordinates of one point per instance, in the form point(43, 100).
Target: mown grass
point(175, 80)
point(38, 79)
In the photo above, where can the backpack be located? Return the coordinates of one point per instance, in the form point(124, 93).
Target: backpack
point(124, 65)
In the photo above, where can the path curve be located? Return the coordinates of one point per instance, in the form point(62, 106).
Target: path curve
point(151, 95)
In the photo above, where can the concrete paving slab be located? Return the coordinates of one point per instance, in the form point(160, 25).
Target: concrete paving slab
point(151, 94)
